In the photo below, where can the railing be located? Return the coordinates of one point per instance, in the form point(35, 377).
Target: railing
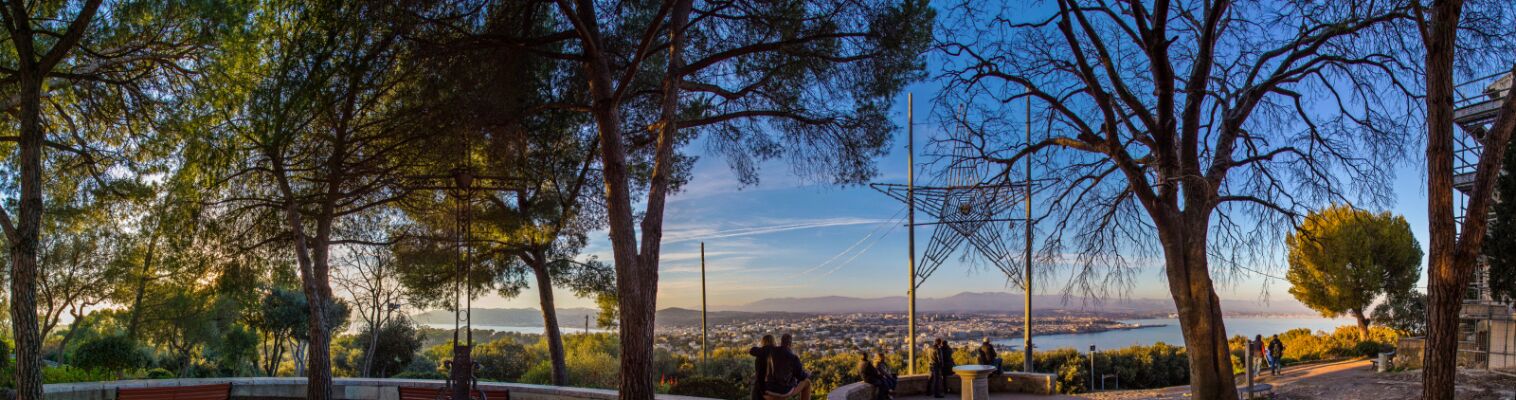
point(1480, 90)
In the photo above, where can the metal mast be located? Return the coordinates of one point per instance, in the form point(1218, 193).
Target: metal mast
point(704, 350)
point(910, 182)
point(1026, 331)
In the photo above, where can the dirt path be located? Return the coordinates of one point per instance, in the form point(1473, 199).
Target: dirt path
point(1347, 380)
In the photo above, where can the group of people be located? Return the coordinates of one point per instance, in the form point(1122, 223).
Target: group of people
point(1271, 353)
point(779, 372)
point(877, 373)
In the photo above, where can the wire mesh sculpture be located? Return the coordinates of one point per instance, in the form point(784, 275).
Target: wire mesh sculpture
point(966, 210)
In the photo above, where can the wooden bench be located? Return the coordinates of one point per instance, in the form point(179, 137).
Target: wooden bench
point(417, 393)
point(221, 391)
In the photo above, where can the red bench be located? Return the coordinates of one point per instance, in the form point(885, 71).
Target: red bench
point(221, 391)
point(416, 393)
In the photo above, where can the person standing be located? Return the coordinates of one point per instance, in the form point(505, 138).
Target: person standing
point(786, 376)
point(1260, 354)
point(761, 364)
point(945, 360)
point(1276, 354)
point(936, 380)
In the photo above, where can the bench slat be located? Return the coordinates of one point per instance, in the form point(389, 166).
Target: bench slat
point(415, 393)
point(194, 392)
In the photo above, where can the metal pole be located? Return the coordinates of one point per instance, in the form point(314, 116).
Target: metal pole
point(910, 203)
point(1092, 368)
point(1247, 362)
point(1026, 331)
point(704, 350)
point(586, 324)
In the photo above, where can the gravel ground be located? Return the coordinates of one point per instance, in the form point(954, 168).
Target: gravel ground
point(1349, 380)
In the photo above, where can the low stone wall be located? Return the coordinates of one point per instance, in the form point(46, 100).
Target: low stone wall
point(1009, 382)
point(1408, 352)
point(343, 388)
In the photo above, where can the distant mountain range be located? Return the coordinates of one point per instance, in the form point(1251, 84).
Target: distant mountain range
point(1002, 302)
point(574, 317)
point(966, 302)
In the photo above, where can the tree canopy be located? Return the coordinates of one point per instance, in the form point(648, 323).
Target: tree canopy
point(1342, 259)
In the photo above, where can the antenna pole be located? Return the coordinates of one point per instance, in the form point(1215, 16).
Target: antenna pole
point(1026, 331)
point(704, 350)
point(910, 202)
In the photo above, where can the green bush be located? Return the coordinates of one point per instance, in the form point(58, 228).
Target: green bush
point(69, 374)
point(1368, 348)
point(710, 386)
point(159, 373)
point(110, 353)
point(419, 375)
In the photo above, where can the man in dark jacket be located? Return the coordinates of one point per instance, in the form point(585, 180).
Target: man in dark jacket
point(1276, 354)
point(761, 364)
point(786, 375)
point(987, 356)
point(936, 382)
point(945, 354)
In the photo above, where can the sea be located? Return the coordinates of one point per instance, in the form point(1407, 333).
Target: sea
point(519, 329)
point(1166, 330)
point(1151, 331)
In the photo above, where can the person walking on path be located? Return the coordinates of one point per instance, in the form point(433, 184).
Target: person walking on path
point(987, 356)
point(936, 382)
point(761, 364)
point(1260, 354)
point(1276, 354)
point(786, 375)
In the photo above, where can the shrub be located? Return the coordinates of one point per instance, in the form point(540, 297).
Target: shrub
point(110, 353)
point(709, 386)
point(419, 375)
point(159, 373)
point(69, 374)
point(1368, 348)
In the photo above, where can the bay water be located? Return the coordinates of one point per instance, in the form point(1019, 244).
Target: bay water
point(1166, 330)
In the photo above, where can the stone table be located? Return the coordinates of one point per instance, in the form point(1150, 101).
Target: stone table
point(976, 382)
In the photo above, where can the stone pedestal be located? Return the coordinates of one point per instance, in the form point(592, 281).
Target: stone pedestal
point(976, 381)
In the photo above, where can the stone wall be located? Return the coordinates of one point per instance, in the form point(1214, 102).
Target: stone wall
point(1009, 382)
point(343, 388)
point(1408, 352)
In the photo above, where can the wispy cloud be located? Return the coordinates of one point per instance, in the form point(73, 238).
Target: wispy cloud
point(692, 234)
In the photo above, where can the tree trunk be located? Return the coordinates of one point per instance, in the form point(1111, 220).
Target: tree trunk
point(28, 373)
point(550, 322)
point(147, 263)
point(636, 273)
point(1199, 309)
point(318, 360)
point(1363, 324)
point(636, 350)
point(1444, 283)
point(1440, 357)
point(63, 344)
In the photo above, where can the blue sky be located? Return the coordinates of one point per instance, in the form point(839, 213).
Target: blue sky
point(789, 238)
